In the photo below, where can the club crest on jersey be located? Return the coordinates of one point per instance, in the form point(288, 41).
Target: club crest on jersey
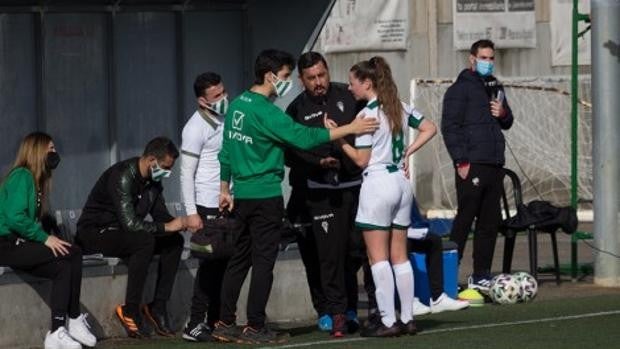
point(340, 106)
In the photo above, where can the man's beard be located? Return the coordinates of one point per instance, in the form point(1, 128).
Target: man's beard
point(320, 91)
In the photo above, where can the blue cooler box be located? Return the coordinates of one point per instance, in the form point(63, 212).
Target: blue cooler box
point(450, 273)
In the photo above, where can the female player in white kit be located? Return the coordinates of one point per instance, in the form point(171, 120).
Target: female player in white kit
point(385, 199)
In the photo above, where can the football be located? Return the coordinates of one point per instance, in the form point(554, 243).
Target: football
point(505, 289)
point(529, 286)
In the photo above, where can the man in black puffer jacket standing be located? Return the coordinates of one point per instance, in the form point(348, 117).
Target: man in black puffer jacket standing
point(475, 112)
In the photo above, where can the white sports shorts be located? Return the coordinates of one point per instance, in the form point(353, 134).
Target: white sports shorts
point(385, 201)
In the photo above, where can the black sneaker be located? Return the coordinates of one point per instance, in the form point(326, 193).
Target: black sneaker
point(198, 333)
point(409, 328)
point(251, 335)
point(159, 320)
point(373, 321)
point(382, 331)
point(227, 333)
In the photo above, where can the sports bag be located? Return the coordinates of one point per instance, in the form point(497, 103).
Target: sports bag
point(217, 238)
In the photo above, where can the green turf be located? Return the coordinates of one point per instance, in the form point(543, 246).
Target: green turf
point(452, 330)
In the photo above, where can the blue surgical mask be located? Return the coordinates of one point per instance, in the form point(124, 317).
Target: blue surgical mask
point(484, 68)
point(157, 173)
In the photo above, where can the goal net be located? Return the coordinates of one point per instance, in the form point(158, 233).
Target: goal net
point(538, 146)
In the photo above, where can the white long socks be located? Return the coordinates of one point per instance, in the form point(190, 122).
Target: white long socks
point(384, 284)
point(403, 274)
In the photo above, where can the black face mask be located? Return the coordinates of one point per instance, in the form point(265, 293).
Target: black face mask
point(52, 160)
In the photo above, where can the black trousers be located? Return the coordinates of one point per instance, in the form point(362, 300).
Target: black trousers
point(137, 249)
point(330, 257)
point(431, 246)
point(37, 259)
point(298, 214)
point(206, 301)
point(332, 225)
point(256, 247)
point(478, 198)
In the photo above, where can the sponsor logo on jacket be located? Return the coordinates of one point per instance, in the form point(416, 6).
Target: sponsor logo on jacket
point(313, 115)
point(237, 125)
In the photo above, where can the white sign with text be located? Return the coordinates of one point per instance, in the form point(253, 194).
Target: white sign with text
point(508, 23)
point(366, 25)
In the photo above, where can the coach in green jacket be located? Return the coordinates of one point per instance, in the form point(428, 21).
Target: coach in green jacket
point(252, 156)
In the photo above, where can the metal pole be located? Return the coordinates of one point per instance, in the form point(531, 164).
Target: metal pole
point(606, 143)
point(574, 96)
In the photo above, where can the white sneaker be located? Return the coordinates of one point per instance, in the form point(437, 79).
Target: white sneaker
point(60, 339)
point(419, 308)
point(445, 303)
point(79, 330)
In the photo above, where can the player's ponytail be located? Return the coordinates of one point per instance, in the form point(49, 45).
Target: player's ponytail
point(387, 93)
point(378, 71)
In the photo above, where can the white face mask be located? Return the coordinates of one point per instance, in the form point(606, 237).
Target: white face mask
point(282, 86)
point(220, 107)
point(157, 173)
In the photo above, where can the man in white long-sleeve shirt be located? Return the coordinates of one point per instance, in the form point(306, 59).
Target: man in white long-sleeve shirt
point(200, 189)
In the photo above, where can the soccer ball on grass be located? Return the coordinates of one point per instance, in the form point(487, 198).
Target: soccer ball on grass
point(529, 286)
point(505, 289)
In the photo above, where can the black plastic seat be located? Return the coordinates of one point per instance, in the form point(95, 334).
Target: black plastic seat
point(532, 230)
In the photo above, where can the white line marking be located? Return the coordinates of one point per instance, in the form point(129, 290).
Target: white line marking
point(454, 329)
point(524, 322)
point(329, 341)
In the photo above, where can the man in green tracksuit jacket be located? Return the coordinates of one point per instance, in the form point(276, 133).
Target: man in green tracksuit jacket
point(252, 156)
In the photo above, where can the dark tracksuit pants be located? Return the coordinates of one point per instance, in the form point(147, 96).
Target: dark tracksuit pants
point(256, 247)
point(478, 198)
point(431, 246)
point(299, 215)
point(208, 283)
point(310, 259)
point(65, 272)
point(331, 227)
point(338, 209)
point(357, 258)
point(137, 249)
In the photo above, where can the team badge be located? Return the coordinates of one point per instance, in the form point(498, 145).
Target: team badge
point(340, 106)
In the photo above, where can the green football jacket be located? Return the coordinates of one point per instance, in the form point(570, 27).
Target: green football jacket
point(255, 134)
point(18, 206)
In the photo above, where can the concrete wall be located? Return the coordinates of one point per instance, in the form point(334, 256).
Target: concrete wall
point(104, 80)
point(103, 287)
